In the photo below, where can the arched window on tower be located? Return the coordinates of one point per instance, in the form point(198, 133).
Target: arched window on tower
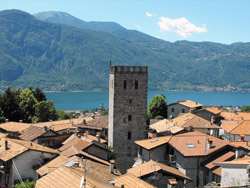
point(124, 84)
point(136, 84)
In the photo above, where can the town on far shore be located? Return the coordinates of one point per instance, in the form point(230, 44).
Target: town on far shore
point(134, 144)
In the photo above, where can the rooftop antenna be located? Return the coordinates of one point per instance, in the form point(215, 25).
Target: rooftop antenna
point(110, 63)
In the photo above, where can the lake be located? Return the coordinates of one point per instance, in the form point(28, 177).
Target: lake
point(90, 100)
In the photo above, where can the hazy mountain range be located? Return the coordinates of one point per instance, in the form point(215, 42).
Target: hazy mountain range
point(56, 51)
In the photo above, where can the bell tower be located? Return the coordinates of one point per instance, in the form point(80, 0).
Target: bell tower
point(127, 111)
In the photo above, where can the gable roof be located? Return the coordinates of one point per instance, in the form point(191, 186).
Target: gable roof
point(189, 119)
point(195, 144)
point(14, 126)
point(97, 175)
point(33, 132)
point(166, 125)
point(77, 143)
point(235, 116)
point(241, 127)
point(98, 123)
point(213, 110)
point(222, 158)
point(153, 142)
point(187, 103)
point(17, 147)
point(131, 181)
point(54, 164)
point(152, 166)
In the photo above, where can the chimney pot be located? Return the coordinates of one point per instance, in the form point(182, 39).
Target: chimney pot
point(112, 166)
point(20, 121)
point(6, 145)
point(6, 120)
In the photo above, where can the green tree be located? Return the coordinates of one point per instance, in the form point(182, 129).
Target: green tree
point(39, 95)
point(157, 106)
point(245, 109)
point(27, 105)
point(27, 183)
point(62, 115)
point(9, 103)
point(45, 111)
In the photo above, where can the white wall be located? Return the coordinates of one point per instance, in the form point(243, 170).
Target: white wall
point(26, 161)
point(234, 175)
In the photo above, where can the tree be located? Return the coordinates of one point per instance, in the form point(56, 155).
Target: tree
point(245, 109)
point(39, 95)
point(27, 105)
point(157, 106)
point(45, 111)
point(9, 103)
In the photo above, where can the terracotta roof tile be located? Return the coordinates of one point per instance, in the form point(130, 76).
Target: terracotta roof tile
point(189, 119)
point(77, 143)
point(217, 171)
point(17, 147)
point(214, 110)
point(245, 161)
point(244, 144)
point(98, 123)
point(243, 128)
point(222, 158)
point(188, 103)
point(235, 116)
point(14, 126)
point(153, 142)
point(195, 144)
point(32, 133)
point(152, 166)
point(166, 125)
point(53, 164)
point(131, 181)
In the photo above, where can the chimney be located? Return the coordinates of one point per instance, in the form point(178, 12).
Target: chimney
point(76, 163)
point(210, 143)
point(98, 136)
point(112, 166)
point(20, 121)
point(241, 138)
point(84, 121)
point(6, 120)
point(212, 119)
point(6, 145)
point(191, 128)
point(236, 154)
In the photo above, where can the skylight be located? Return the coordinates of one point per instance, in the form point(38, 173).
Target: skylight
point(191, 145)
point(155, 140)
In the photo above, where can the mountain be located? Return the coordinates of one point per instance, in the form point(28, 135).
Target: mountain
point(62, 56)
point(65, 18)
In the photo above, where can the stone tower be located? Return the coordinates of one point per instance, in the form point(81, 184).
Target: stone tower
point(127, 111)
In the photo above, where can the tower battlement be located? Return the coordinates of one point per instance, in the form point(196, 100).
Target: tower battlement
point(128, 69)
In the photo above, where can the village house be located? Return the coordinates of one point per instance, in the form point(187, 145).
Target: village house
point(235, 172)
point(93, 126)
point(174, 109)
point(160, 175)
point(13, 129)
point(189, 152)
point(78, 173)
point(163, 128)
point(20, 158)
point(130, 181)
point(43, 135)
point(191, 121)
point(211, 114)
point(236, 130)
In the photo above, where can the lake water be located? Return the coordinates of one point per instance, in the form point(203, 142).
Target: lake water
point(90, 100)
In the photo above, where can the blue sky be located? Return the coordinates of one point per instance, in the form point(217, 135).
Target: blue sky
point(223, 21)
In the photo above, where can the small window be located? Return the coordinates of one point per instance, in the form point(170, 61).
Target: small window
point(130, 101)
point(140, 150)
point(183, 110)
point(172, 109)
point(124, 120)
point(129, 151)
point(129, 117)
point(136, 84)
point(129, 135)
point(124, 84)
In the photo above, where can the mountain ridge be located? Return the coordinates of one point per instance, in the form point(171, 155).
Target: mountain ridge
point(60, 57)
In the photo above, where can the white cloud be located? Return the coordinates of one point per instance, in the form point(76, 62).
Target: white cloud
point(137, 26)
point(182, 26)
point(148, 14)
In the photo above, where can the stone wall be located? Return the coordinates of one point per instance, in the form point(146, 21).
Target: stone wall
point(127, 111)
